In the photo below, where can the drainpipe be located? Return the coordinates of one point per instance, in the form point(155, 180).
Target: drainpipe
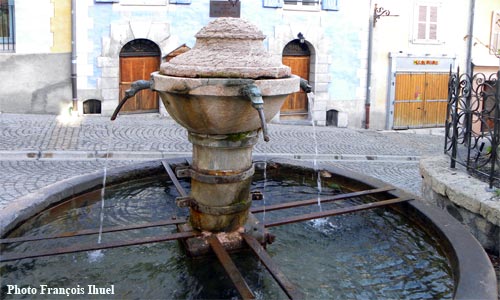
point(468, 62)
point(73, 56)
point(369, 69)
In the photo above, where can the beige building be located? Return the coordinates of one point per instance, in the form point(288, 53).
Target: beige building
point(414, 46)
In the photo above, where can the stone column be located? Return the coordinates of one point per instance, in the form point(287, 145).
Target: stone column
point(221, 175)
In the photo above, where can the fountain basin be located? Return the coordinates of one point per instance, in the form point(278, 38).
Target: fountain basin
point(216, 105)
point(471, 270)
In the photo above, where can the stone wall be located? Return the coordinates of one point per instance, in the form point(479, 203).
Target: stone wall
point(35, 83)
point(337, 42)
point(466, 198)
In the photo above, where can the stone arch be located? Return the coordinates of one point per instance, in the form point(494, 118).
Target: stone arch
point(140, 48)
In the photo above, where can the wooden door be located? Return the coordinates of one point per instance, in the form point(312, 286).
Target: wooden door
point(420, 100)
point(436, 99)
point(296, 104)
point(135, 68)
point(408, 100)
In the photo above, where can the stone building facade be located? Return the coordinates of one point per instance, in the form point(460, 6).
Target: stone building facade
point(35, 59)
point(352, 54)
point(335, 41)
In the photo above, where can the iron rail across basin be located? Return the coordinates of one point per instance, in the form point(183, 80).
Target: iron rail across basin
point(288, 287)
point(334, 212)
point(92, 231)
point(96, 246)
point(322, 200)
point(174, 179)
point(230, 268)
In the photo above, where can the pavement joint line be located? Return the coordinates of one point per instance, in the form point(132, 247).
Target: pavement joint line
point(92, 155)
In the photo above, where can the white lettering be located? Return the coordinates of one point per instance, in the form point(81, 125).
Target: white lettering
point(93, 290)
point(13, 289)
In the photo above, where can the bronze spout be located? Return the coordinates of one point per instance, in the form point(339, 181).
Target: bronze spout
point(136, 86)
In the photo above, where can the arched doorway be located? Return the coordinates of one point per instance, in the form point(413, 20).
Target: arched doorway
point(297, 56)
point(138, 59)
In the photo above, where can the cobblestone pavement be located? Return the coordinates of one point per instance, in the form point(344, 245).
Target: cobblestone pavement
point(38, 150)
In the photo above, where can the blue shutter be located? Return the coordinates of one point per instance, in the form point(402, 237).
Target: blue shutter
point(330, 4)
point(180, 2)
point(273, 3)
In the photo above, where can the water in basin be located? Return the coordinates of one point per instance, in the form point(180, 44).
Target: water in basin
point(366, 255)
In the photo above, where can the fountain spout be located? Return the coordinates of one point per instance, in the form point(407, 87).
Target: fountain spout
point(135, 87)
point(253, 92)
point(304, 84)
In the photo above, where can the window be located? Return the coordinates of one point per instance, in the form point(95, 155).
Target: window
point(302, 4)
point(91, 106)
point(7, 28)
point(426, 23)
point(143, 2)
point(495, 34)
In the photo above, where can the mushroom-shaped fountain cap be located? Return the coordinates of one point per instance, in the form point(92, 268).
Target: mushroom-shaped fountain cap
point(227, 48)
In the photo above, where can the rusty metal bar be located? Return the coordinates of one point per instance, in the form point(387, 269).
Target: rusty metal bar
point(230, 268)
point(90, 247)
point(92, 231)
point(322, 200)
point(289, 288)
point(333, 212)
point(174, 179)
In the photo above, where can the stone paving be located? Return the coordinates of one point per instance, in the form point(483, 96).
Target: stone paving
point(38, 150)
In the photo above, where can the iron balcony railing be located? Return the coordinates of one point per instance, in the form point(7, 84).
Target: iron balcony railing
point(473, 125)
point(7, 28)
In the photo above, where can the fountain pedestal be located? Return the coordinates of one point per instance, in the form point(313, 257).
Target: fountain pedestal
point(221, 174)
point(223, 91)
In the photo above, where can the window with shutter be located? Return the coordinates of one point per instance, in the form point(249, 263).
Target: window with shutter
point(495, 34)
point(426, 23)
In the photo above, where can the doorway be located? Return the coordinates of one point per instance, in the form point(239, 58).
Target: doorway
point(420, 100)
point(138, 59)
point(297, 56)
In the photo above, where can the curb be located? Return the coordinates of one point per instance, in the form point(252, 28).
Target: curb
point(154, 155)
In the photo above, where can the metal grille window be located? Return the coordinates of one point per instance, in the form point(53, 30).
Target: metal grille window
point(426, 23)
point(7, 29)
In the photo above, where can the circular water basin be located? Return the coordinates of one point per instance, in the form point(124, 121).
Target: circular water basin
point(379, 253)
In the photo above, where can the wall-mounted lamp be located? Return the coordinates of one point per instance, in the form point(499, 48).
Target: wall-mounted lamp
point(381, 12)
point(301, 38)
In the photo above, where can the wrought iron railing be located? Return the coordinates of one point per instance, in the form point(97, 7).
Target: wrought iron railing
point(7, 27)
point(473, 124)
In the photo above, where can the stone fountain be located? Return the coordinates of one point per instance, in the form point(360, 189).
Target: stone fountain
point(223, 91)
